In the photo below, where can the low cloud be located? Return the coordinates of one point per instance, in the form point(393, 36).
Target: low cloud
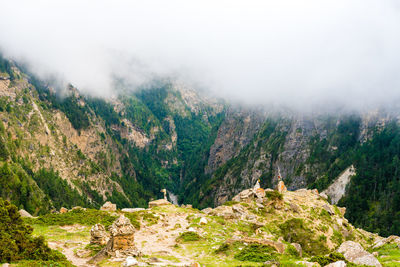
point(299, 54)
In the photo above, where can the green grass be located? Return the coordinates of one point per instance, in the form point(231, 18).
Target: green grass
point(39, 263)
point(389, 255)
point(188, 236)
point(79, 216)
point(256, 253)
point(55, 233)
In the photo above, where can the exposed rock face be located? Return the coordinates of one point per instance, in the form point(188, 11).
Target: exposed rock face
point(108, 206)
point(159, 202)
point(24, 213)
point(98, 235)
point(338, 189)
point(235, 132)
point(355, 253)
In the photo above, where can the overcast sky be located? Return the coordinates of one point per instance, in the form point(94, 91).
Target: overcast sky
point(289, 52)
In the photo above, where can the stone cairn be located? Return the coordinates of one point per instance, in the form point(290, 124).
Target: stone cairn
point(98, 235)
point(121, 242)
point(164, 191)
point(122, 237)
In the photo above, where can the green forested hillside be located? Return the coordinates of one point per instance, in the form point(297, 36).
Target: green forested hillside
point(71, 150)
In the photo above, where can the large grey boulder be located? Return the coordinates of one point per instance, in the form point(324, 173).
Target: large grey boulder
point(337, 264)
point(24, 213)
point(355, 253)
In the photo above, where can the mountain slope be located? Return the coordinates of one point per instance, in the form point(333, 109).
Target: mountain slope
point(62, 148)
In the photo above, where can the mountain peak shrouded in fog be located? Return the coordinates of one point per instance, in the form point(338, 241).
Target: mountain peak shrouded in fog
point(297, 54)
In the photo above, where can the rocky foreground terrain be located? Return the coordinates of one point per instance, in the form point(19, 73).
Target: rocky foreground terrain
point(257, 228)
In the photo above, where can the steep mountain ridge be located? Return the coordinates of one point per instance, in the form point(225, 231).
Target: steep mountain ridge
point(126, 148)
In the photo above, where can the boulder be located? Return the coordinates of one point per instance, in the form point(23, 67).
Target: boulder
point(207, 210)
point(246, 195)
point(294, 207)
point(158, 203)
point(324, 196)
point(328, 209)
point(24, 213)
point(225, 212)
point(130, 261)
point(337, 264)
point(355, 253)
point(203, 221)
point(259, 193)
point(98, 235)
point(108, 206)
point(63, 210)
point(308, 264)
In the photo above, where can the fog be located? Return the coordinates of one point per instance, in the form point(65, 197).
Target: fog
point(300, 54)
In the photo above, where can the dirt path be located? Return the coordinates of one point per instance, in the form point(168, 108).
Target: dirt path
point(68, 251)
point(160, 238)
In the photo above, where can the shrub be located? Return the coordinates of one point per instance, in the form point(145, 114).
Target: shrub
point(77, 216)
point(256, 253)
point(16, 241)
point(222, 249)
point(273, 195)
point(230, 203)
point(294, 230)
point(150, 218)
point(292, 251)
point(188, 236)
point(325, 260)
point(134, 218)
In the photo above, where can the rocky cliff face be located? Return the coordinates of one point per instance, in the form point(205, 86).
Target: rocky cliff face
point(127, 148)
point(291, 146)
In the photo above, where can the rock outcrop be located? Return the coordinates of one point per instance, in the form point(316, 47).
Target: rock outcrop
point(159, 202)
point(355, 253)
point(338, 188)
point(24, 213)
point(108, 206)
